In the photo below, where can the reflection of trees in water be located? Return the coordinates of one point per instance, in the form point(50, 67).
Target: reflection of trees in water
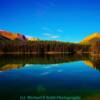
point(40, 59)
point(95, 60)
point(16, 61)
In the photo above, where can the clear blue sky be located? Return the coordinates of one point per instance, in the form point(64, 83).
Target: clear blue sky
point(65, 20)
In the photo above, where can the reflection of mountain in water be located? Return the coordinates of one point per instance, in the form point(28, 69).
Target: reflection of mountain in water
point(8, 62)
point(10, 66)
point(94, 62)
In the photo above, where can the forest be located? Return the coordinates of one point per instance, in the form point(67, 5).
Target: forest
point(42, 47)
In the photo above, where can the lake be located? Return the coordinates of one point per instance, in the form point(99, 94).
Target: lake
point(76, 76)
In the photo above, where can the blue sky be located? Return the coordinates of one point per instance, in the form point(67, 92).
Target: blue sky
point(65, 20)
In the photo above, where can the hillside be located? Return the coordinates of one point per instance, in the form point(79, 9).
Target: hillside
point(91, 39)
point(4, 35)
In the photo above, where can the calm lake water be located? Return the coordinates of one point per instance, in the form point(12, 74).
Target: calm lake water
point(50, 75)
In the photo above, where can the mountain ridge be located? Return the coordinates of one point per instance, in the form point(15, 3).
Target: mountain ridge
point(5, 35)
point(91, 38)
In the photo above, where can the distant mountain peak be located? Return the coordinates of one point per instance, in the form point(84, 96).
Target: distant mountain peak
point(11, 36)
point(96, 34)
point(91, 38)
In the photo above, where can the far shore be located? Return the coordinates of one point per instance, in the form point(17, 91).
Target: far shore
point(47, 53)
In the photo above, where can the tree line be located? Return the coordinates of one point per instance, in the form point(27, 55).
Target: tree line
point(42, 47)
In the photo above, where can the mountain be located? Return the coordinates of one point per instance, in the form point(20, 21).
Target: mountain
point(91, 39)
point(33, 39)
point(4, 35)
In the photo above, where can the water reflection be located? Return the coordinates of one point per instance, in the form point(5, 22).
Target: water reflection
point(8, 62)
point(94, 61)
point(63, 74)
